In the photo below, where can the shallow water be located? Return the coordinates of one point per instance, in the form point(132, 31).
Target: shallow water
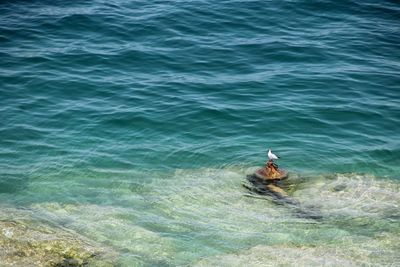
point(135, 123)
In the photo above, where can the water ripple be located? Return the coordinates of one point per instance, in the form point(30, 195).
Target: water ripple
point(148, 115)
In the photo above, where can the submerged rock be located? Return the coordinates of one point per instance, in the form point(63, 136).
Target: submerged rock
point(273, 188)
point(33, 243)
point(269, 187)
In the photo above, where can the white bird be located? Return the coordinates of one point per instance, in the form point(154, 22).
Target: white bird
point(271, 155)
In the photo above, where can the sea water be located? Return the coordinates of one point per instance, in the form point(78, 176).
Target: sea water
point(135, 123)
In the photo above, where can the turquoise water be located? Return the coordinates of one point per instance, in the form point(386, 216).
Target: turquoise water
point(135, 124)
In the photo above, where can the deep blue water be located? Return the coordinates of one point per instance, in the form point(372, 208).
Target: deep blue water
point(149, 115)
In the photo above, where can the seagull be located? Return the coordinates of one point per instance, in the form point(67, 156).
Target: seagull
point(271, 155)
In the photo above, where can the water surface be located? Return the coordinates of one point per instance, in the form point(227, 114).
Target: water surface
point(135, 124)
